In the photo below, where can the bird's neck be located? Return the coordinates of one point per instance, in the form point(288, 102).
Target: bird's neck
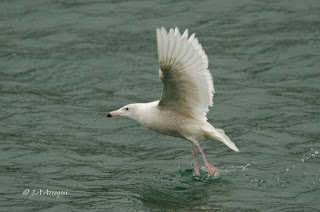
point(146, 112)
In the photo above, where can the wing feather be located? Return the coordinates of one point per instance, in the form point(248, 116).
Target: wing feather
point(185, 34)
point(187, 82)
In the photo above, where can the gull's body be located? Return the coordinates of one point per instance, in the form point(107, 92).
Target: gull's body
point(164, 121)
point(187, 94)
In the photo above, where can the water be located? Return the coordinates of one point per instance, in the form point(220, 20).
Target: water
point(65, 64)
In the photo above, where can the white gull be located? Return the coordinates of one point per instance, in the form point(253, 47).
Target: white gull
point(187, 93)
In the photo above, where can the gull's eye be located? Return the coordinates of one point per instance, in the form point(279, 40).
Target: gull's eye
point(127, 108)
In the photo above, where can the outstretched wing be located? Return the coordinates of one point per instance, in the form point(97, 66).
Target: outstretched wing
point(187, 82)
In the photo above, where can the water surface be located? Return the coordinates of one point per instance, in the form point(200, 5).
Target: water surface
point(65, 64)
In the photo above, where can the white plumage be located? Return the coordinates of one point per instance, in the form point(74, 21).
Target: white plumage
point(187, 93)
point(187, 82)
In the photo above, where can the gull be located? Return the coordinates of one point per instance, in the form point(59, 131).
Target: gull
point(186, 95)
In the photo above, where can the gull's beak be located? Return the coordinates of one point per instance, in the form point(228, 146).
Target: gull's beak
point(113, 113)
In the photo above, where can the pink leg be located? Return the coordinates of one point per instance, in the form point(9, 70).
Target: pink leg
point(212, 170)
point(196, 168)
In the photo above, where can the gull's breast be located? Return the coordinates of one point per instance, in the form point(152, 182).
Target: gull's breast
point(171, 123)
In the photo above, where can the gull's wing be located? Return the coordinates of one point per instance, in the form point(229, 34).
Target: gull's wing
point(187, 82)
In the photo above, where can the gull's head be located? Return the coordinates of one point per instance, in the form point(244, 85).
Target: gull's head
point(128, 111)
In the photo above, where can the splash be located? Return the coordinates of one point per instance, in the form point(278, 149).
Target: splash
point(235, 168)
point(204, 174)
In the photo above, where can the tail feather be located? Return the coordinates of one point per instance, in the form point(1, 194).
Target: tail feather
point(219, 134)
point(221, 131)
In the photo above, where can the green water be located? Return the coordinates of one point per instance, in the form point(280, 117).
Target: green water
point(65, 64)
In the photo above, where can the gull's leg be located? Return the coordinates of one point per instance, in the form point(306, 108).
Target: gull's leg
point(196, 168)
point(212, 170)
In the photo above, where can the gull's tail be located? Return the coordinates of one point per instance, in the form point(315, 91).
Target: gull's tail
point(219, 135)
